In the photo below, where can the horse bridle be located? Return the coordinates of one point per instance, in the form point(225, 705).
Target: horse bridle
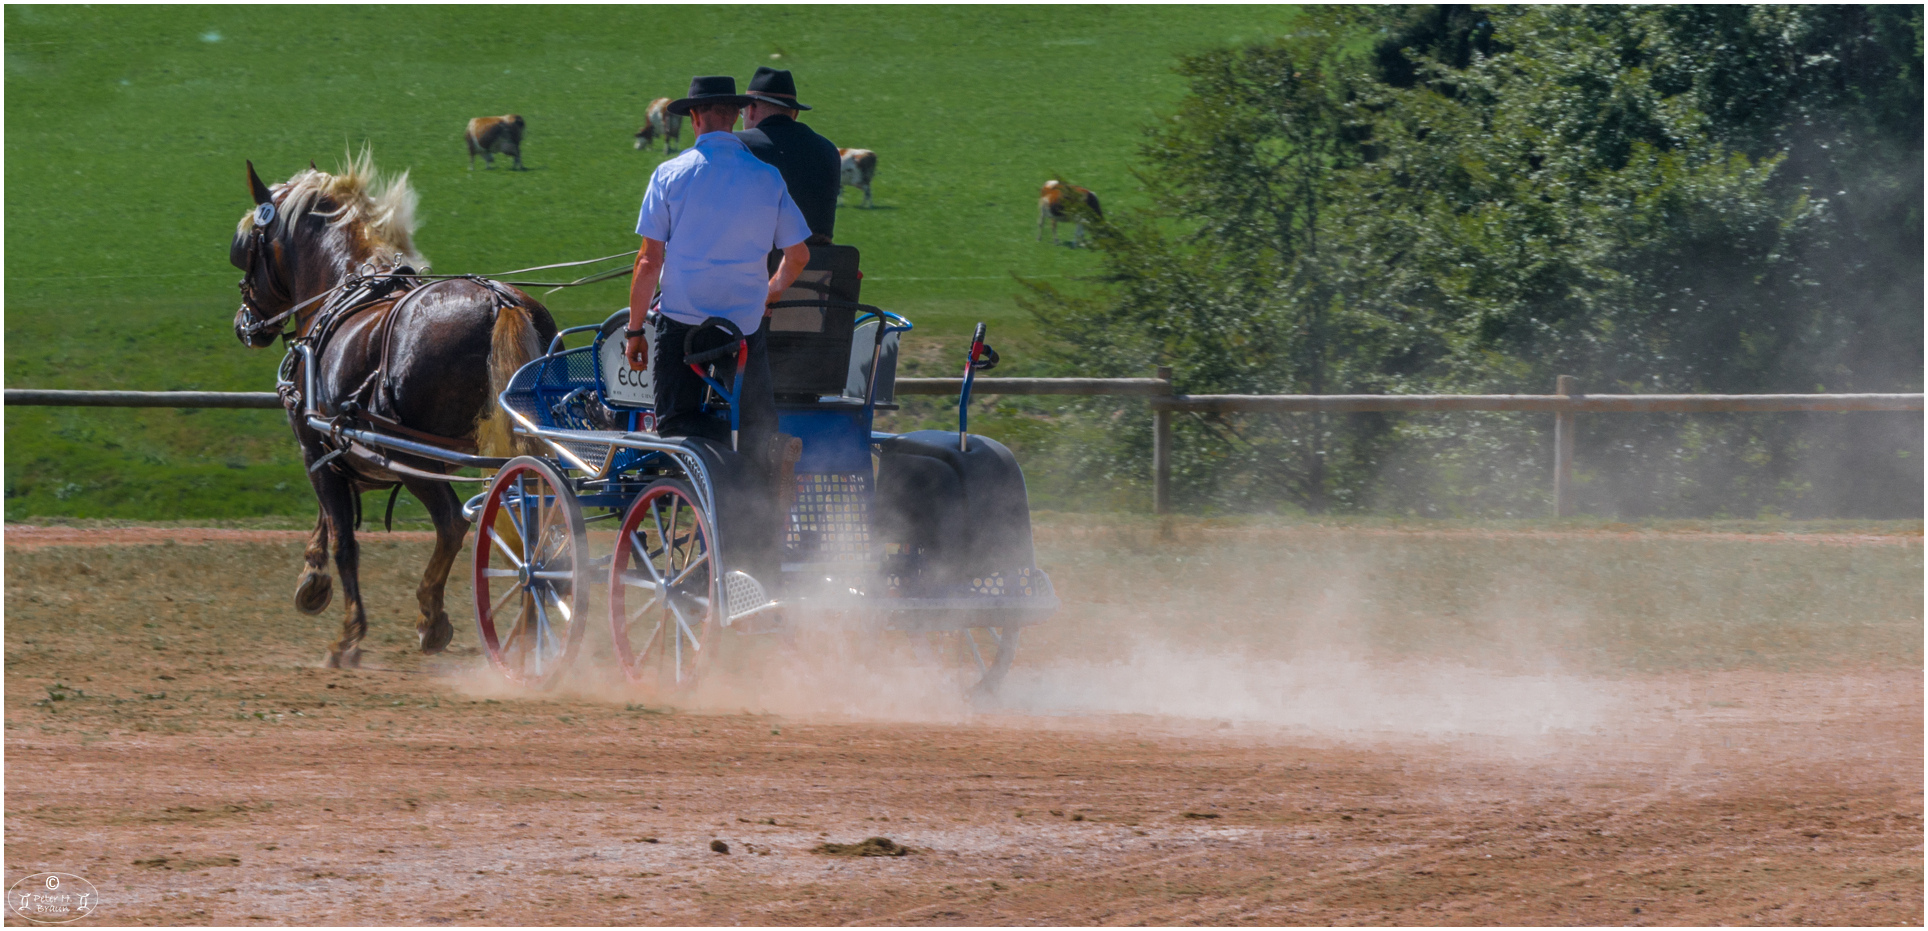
point(255, 321)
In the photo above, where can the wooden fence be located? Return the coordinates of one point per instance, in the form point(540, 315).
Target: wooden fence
point(1564, 404)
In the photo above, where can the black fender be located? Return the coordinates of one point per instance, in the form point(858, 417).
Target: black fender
point(949, 515)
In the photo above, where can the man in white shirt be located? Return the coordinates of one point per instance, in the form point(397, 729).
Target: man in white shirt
point(709, 219)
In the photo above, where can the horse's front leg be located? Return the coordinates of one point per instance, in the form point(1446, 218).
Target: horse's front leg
point(445, 509)
point(338, 504)
point(316, 588)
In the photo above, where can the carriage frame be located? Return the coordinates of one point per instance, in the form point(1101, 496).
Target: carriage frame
point(601, 453)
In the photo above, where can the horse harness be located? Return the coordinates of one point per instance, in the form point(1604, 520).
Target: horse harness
point(371, 402)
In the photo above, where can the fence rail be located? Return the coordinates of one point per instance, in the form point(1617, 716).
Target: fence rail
point(1540, 403)
point(50, 397)
point(1128, 387)
point(1164, 401)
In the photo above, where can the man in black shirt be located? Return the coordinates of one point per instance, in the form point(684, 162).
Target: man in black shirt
point(809, 163)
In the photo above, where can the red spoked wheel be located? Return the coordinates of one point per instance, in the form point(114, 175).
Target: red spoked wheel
point(662, 611)
point(531, 557)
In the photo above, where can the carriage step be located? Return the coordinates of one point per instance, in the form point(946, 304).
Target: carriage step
point(743, 597)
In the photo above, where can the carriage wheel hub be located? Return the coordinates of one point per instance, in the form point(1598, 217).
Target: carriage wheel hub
point(525, 574)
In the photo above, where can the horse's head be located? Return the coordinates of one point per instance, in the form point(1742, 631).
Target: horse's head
point(309, 234)
point(260, 250)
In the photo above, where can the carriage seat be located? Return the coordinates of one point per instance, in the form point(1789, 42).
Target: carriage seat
point(817, 349)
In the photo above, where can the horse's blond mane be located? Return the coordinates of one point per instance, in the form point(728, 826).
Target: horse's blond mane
point(380, 209)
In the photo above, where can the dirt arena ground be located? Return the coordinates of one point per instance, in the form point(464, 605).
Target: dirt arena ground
point(1226, 725)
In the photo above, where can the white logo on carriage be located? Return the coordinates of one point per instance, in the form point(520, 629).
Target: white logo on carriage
point(52, 898)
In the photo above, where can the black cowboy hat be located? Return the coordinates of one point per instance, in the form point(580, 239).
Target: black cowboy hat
point(709, 90)
point(777, 87)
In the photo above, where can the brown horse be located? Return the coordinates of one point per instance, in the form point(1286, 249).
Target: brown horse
point(425, 357)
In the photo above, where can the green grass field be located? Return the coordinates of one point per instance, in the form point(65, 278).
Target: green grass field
point(127, 127)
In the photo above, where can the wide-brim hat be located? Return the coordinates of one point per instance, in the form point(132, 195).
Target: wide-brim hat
point(704, 91)
point(773, 86)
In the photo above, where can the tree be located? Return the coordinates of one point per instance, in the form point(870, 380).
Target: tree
point(1237, 276)
point(1454, 198)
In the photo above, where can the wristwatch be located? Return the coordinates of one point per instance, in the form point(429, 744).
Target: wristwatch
point(632, 334)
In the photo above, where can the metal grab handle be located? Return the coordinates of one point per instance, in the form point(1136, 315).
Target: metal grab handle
point(894, 323)
point(710, 355)
point(555, 344)
point(971, 367)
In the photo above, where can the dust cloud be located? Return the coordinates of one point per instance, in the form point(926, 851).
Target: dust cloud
point(1119, 661)
point(1325, 693)
point(1352, 635)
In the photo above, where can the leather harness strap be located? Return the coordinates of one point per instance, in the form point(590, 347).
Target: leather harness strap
point(372, 400)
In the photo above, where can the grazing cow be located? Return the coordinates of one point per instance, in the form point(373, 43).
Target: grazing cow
point(858, 167)
point(1051, 204)
point(662, 124)
point(488, 135)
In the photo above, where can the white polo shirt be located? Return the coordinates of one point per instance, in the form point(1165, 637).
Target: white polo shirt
point(720, 211)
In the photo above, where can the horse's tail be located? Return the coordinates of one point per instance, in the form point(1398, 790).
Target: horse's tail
point(516, 340)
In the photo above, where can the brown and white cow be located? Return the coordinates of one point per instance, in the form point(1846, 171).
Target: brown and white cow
point(1051, 205)
point(859, 165)
point(662, 125)
point(488, 135)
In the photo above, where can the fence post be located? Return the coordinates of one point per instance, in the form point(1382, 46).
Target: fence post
point(1161, 451)
point(1563, 450)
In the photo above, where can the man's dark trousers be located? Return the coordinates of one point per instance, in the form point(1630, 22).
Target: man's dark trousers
point(679, 393)
point(750, 522)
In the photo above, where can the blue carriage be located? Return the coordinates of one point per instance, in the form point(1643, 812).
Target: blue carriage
point(925, 533)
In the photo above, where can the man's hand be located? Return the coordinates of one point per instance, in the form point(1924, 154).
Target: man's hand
point(794, 259)
point(638, 353)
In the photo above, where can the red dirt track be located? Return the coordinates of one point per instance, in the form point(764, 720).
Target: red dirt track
point(199, 769)
point(27, 536)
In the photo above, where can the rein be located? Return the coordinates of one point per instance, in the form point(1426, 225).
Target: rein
point(256, 324)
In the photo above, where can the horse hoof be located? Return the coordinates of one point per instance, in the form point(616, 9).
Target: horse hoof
point(313, 592)
point(437, 636)
point(347, 659)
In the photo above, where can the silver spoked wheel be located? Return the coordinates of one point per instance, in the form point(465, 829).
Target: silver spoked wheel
point(531, 556)
point(662, 612)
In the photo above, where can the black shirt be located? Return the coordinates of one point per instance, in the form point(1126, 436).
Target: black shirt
point(810, 165)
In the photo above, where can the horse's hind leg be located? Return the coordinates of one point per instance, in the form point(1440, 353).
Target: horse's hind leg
point(316, 588)
point(338, 503)
point(433, 627)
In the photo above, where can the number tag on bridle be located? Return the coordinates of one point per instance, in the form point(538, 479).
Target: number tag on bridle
point(264, 215)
